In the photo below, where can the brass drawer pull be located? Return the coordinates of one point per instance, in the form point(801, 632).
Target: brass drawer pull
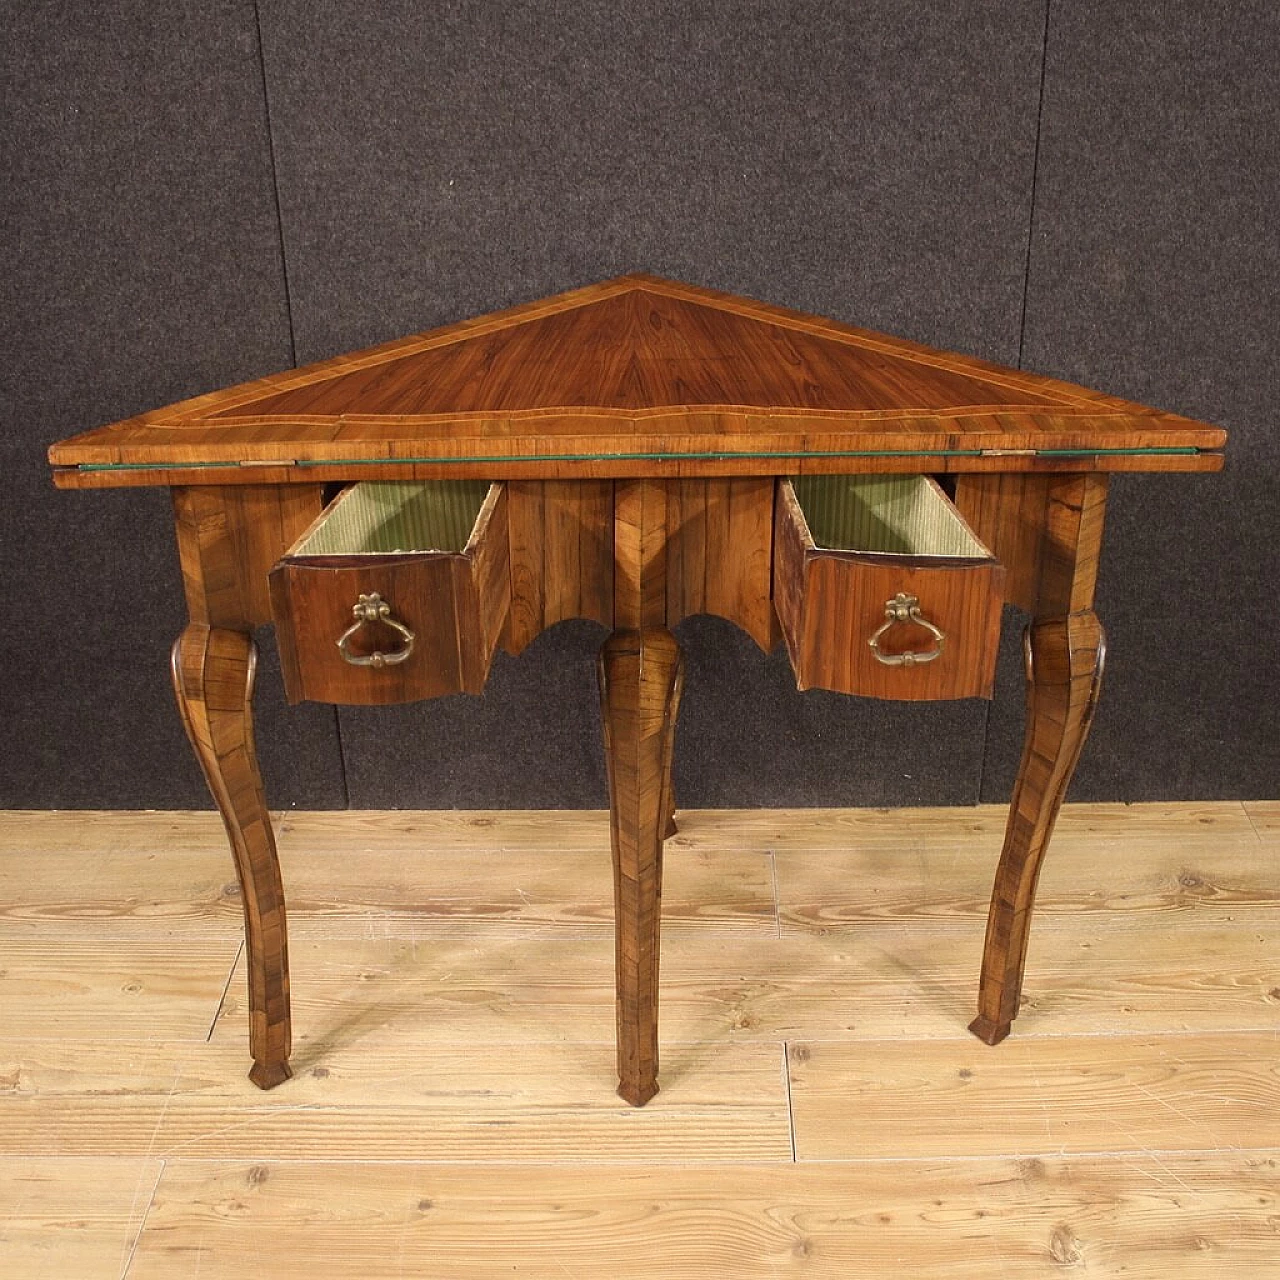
point(905, 608)
point(373, 608)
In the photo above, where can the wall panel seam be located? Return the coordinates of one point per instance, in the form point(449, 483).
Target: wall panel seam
point(275, 183)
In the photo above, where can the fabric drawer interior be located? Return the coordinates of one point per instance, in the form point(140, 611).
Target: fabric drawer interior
point(389, 518)
point(891, 515)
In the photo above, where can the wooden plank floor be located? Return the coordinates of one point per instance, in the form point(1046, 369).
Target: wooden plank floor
point(823, 1111)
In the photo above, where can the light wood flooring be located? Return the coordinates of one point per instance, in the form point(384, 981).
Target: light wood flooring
point(823, 1111)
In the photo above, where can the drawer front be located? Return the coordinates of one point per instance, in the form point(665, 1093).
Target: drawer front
point(884, 626)
point(431, 631)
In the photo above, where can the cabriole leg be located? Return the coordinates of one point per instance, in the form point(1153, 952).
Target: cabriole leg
point(213, 670)
point(1064, 658)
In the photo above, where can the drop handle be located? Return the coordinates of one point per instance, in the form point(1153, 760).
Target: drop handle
point(373, 608)
point(906, 608)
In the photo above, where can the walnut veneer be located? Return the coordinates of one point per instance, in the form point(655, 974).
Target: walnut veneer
point(637, 434)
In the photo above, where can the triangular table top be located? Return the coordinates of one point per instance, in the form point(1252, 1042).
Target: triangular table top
point(638, 376)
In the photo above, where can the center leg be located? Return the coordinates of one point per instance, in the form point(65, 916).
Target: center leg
point(641, 673)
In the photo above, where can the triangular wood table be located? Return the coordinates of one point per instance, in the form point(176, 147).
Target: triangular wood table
point(636, 452)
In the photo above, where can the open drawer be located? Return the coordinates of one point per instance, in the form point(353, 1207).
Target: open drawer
point(398, 591)
point(882, 589)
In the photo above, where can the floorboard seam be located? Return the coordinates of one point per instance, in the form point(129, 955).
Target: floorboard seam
point(1248, 817)
point(222, 999)
point(127, 1264)
point(777, 899)
point(786, 1083)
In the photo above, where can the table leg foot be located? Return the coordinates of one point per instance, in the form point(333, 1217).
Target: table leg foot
point(1064, 660)
point(638, 1095)
point(641, 674)
point(266, 1075)
point(989, 1032)
point(213, 670)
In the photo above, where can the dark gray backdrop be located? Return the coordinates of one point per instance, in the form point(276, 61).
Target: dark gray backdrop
point(199, 193)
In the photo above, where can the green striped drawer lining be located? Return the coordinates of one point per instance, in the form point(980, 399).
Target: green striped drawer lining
point(378, 518)
point(901, 515)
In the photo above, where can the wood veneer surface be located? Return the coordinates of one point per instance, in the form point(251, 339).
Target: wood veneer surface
point(627, 373)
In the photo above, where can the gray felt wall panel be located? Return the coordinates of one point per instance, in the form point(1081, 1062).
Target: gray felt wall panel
point(871, 162)
point(142, 265)
point(1154, 275)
